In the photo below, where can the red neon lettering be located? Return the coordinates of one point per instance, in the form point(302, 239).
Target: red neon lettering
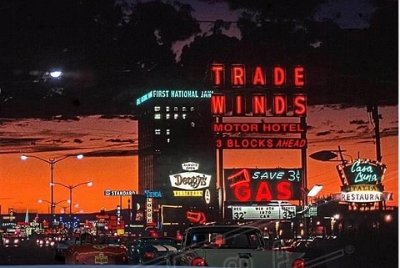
point(239, 107)
point(242, 192)
point(259, 104)
point(299, 105)
point(299, 76)
point(259, 77)
point(217, 72)
point(280, 104)
point(238, 75)
point(218, 104)
point(279, 76)
point(284, 189)
point(263, 192)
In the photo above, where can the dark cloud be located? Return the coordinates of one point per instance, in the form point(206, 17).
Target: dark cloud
point(365, 128)
point(131, 117)
point(111, 153)
point(358, 122)
point(121, 140)
point(323, 133)
point(18, 141)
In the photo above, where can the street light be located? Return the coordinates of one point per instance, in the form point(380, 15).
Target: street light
point(51, 162)
point(71, 187)
point(314, 190)
point(41, 201)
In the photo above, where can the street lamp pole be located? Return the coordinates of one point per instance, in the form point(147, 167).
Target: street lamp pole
point(51, 162)
point(70, 188)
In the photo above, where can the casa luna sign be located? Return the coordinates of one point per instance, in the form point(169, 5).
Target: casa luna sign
point(361, 171)
point(276, 91)
point(362, 181)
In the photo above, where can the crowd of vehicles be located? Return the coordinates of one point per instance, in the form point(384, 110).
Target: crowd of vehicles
point(203, 245)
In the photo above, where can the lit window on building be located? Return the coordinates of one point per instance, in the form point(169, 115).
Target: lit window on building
point(157, 131)
point(167, 116)
point(176, 109)
point(176, 116)
point(192, 109)
point(157, 116)
point(168, 140)
point(157, 108)
point(167, 108)
point(168, 131)
point(184, 116)
point(184, 109)
point(192, 124)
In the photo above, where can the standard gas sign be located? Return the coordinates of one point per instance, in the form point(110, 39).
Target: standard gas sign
point(119, 192)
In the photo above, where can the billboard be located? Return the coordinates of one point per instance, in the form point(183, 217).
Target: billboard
point(263, 212)
point(138, 208)
point(259, 185)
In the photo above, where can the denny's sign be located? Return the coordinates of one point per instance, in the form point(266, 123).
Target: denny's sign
point(191, 183)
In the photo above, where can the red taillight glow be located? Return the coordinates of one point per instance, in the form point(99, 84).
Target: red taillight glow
point(298, 263)
point(149, 255)
point(198, 261)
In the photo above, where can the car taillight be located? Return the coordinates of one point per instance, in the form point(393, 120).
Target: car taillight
point(198, 261)
point(149, 255)
point(298, 263)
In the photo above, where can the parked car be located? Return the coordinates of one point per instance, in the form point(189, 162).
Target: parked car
point(91, 250)
point(152, 250)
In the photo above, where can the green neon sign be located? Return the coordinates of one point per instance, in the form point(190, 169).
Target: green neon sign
point(362, 172)
point(175, 93)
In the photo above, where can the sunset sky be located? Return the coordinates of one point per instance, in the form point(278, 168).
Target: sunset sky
point(111, 162)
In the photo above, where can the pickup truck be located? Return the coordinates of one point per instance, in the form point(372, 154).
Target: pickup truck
point(231, 246)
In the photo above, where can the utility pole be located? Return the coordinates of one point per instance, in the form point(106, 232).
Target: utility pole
point(373, 109)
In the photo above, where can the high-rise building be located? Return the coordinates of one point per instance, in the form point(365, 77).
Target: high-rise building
point(176, 147)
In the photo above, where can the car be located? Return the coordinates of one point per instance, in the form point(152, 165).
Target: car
point(45, 241)
point(152, 250)
point(231, 246)
point(96, 250)
point(62, 246)
point(11, 240)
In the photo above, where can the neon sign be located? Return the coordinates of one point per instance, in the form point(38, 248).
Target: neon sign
point(362, 172)
point(188, 193)
point(259, 104)
point(292, 102)
point(190, 180)
point(258, 127)
point(259, 185)
point(152, 194)
point(362, 197)
point(238, 76)
point(166, 93)
point(190, 166)
point(260, 143)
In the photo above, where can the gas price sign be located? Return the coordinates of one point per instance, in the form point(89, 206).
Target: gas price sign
point(263, 212)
